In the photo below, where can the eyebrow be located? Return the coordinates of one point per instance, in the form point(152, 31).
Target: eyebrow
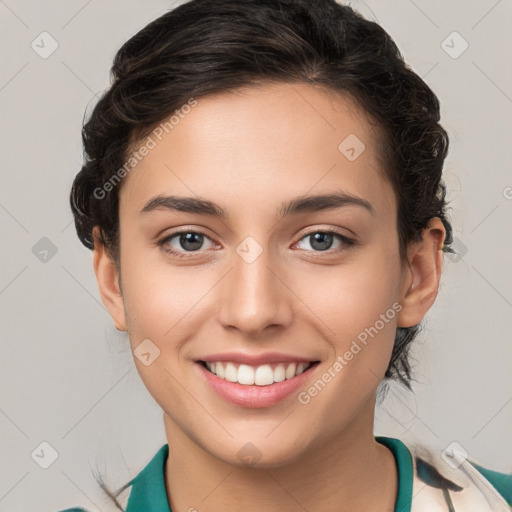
point(303, 204)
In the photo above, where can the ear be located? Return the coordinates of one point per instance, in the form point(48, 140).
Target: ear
point(420, 281)
point(108, 282)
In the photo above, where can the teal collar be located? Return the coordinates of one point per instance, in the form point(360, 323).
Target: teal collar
point(403, 461)
point(148, 487)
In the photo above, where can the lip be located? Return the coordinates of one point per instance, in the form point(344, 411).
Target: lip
point(256, 396)
point(255, 360)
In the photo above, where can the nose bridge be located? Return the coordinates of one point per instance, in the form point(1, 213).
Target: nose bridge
point(254, 297)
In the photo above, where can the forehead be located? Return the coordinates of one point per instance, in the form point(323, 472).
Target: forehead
point(262, 144)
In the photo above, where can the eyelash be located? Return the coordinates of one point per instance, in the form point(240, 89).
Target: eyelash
point(347, 242)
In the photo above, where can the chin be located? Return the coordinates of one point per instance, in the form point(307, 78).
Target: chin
point(259, 453)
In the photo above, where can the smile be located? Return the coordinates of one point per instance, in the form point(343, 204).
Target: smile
point(255, 380)
point(263, 375)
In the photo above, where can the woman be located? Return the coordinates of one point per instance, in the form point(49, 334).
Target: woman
point(262, 191)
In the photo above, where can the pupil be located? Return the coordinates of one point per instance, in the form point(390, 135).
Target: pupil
point(325, 240)
point(187, 241)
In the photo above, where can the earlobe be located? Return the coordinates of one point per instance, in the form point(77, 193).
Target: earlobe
point(108, 282)
point(421, 284)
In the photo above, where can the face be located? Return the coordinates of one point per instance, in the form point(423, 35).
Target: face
point(263, 287)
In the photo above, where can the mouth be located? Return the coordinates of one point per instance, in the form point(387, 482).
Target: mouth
point(256, 380)
point(261, 375)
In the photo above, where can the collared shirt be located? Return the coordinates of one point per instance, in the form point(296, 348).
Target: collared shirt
point(426, 482)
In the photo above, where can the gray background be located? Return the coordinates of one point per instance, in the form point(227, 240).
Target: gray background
point(67, 375)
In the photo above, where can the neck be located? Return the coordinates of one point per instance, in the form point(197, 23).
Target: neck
point(348, 472)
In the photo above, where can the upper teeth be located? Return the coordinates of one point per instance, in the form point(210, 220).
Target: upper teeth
point(263, 375)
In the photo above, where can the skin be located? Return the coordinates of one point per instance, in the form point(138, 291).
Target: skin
point(250, 151)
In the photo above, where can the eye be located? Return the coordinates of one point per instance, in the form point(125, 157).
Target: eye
point(321, 241)
point(183, 242)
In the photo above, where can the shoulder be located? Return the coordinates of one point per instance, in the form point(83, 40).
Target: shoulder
point(146, 491)
point(464, 484)
point(502, 482)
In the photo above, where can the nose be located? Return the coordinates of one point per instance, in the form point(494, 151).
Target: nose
point(254, 295)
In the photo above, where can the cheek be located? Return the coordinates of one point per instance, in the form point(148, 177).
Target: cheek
point(353, 295)
point(359, 305)
point(156, 303)
point(152, 292)
point(164, 303)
